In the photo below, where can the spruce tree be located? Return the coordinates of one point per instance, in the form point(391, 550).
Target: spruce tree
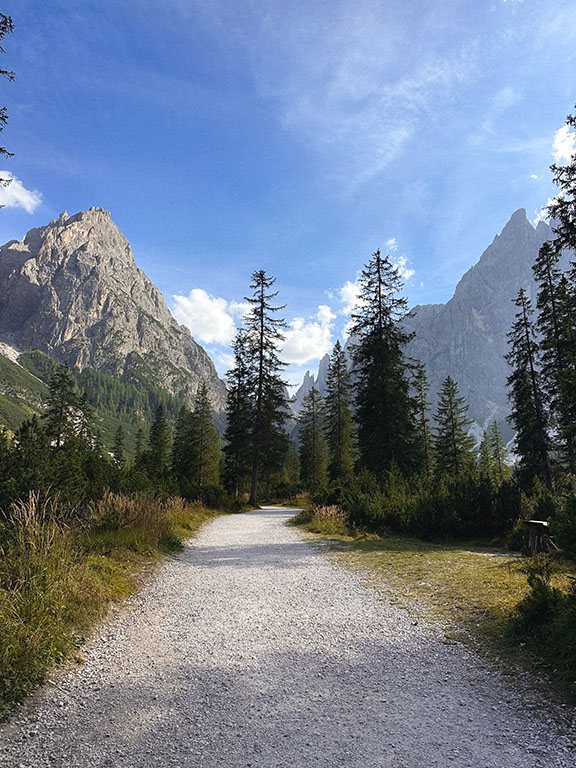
point(205, 465)
point(452, 445)
point(499, 454)
point(485, 460)
point(139, 446)
point(339, 426)
point(263, 336)
point(86, 426)
point(421, 388)
point(532, 440)
point(239, 418)
point(385, 409)
point(118, 449)
point(159, 444)
point(61, 407)
point(313, 446)
point(32, 456)
point(557, 362)
point(273, 437)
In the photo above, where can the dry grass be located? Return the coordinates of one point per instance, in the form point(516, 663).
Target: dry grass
point(57, 578)
point(472, 590)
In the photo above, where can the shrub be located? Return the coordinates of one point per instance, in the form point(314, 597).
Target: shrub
point(563, 526)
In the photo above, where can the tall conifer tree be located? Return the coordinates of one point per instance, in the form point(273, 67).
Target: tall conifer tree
point(385, 409)
point(61, 407)
point(239, 418)
point(339, 426)
point(453, 446)
point(313, 447)
point(421, 388)
point(159, 445)
point(263, 336)
point(528, 415)
point(206, 441)
point(558, 372)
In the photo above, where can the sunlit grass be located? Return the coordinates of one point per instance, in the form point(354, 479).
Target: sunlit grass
point(58, 580)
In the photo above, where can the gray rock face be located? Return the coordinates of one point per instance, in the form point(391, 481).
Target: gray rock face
point(72, 290)
point(466, 337)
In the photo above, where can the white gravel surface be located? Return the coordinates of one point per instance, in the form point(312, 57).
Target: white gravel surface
point(251, 648)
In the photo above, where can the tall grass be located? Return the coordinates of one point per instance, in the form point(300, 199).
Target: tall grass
point(61, 568)
point(327, 520)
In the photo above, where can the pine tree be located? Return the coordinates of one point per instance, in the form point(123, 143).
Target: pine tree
point(118, 450)
point(339, 426)
point(313, 447)
point(205, 465)
point(421, 388)
point(274, 438)
point(86, 428)
point(553, 325)
point(562, 210)
point(239, 414)
point(181, 451)
point(452, 445)
point(263, 336)
point(485, 460)
point(499, 454)
point(61, 407)
point(532, 439)
point(32, 456)
point(159, 453)
point(384, 407)
point(139, 446)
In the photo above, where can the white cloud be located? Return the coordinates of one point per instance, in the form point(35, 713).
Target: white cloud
point(15, 194)
point(400, 265)
point(349, 295)
point(309, 338)
point(391, 244)
point(209, 318)
point(542, 213)
point(534, 176)
point(564, 145)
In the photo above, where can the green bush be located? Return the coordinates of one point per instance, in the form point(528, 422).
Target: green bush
point(546, 619)
point(563, 526)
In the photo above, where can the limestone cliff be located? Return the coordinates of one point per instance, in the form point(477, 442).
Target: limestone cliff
point(72, 290)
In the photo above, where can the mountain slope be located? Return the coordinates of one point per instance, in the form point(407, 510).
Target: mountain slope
point(72, 290)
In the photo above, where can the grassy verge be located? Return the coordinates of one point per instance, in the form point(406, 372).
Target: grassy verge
point(475, 591)
point(61, 570)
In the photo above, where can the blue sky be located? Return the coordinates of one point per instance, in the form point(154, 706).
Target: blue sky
point(295, 137)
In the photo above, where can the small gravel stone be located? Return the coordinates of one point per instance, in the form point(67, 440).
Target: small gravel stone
point(251, 648)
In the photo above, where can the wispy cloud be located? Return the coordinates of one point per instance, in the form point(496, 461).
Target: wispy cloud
point(341, 76)
point(15, 195)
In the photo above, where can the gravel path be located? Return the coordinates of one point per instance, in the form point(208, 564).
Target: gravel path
point(253, 649)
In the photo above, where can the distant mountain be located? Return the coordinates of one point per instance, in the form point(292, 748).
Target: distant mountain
point(72, 290)
point(466, 337)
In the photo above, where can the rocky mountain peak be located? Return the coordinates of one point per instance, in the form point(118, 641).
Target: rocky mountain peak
point(72, 289)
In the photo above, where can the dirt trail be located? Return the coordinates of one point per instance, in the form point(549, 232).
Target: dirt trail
point(253, 649)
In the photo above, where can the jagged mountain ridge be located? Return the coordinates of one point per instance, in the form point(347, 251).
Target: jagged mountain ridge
point(72, 290)
point(466, 337)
